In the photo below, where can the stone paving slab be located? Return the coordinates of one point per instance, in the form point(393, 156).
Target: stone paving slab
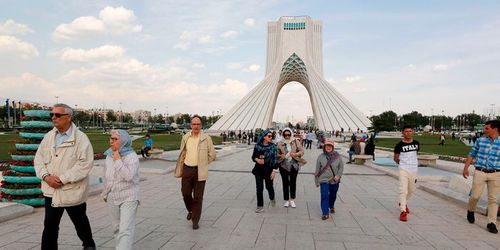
point(10, 210)
point(366, 216)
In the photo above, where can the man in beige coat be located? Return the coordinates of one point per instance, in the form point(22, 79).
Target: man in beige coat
point(197, 151)
point(63, 161)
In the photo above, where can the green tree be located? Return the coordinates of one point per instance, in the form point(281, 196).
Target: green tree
point(127, 118)
point(81, 117)
point(414, 119)
point(110, 116)
point(385, 121)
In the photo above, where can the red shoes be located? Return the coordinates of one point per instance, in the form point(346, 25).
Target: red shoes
point(403, 216)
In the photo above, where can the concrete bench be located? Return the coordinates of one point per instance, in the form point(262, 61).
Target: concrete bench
point(427, 160)
point(155, 152)
point(361, 159)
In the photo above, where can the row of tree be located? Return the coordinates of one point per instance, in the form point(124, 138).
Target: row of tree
point(390, 121)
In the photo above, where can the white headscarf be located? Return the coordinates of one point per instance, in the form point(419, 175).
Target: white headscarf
point(288, 143)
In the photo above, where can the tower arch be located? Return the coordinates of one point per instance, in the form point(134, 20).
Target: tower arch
point(294, 53)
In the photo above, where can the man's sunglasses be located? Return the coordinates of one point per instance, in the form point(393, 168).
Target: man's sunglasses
point(57, 115)
point(286, 135)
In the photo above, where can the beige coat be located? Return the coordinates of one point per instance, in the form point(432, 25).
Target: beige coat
point(297, 148)
point(71, 162)
point(206, 154)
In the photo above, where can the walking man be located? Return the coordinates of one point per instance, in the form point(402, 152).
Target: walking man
point(486, 152)
point(441, 139)
point(63, 161)
point(197, 151)
point(405, 154)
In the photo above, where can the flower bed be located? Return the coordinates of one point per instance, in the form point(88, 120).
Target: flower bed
point(20, 183)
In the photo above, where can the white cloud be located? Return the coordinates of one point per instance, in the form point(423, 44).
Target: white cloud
point(214, 74)
point(230, 34)
point(352, 79)
point(205, 39)
point(119, 20)
point(95, 54)
point(252, 68)
point(440, 67)
point(411, 66)
point(233, 66)
point(12, 46)
point(10, 27)
point(250, 22)
point(136, 84)
point(16, 87)
point(199, 66)
point(111, 21)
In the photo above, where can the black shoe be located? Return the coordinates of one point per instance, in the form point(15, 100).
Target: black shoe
point(196, 226)
point(189, 216)
point(89, 248)
point(470, 217)
point(349, 162)
point(492, 228)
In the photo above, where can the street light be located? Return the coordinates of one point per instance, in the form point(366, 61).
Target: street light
point(442, 119)
point(77, 121)
point(57, 98)
point(121, 115)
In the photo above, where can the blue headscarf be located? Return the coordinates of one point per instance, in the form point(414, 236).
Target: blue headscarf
point(125, 143)
point(271, 153)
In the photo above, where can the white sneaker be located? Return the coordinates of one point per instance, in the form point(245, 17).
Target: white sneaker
point(292, 204)
point(287, 203)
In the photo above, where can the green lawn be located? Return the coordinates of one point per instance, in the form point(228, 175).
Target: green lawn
point(429, 145)
point(7, 142)
point(100, 142)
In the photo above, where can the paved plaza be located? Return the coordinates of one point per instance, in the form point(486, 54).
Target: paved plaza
point(367, 215)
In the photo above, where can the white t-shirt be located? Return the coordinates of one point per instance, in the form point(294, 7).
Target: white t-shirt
point(408, 155)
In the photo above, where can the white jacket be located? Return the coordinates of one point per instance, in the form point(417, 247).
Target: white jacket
point(71, 162)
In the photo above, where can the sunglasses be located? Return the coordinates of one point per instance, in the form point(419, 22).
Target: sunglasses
point(57, 115)
point(113, 139)
point(270, 136)
point(286, 135)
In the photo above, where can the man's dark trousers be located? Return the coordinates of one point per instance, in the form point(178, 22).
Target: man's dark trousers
point(190, 185)
point(53, 215)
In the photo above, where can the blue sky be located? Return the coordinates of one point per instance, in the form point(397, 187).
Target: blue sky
point(204, 56)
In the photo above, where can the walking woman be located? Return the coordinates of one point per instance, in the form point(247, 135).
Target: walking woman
point(265, 158)
point(329, 168)
point(290, 152)
point(121, 187)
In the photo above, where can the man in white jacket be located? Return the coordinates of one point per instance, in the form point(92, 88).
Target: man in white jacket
point(63, 161)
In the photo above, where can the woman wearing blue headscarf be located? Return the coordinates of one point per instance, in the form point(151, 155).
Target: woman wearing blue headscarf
point(121, 187)
point(265, 158)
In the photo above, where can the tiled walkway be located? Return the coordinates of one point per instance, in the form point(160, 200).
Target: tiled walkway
point(366, 217)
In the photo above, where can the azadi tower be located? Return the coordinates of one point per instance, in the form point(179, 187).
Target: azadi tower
point(294, 54)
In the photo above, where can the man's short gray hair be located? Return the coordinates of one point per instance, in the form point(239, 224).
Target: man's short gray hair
point(67, 109)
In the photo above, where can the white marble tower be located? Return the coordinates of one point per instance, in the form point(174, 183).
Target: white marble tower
point(294, 53)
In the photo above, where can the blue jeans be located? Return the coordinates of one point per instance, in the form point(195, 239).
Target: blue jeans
point(328, 196)
point(350, 155)
point(123, 222)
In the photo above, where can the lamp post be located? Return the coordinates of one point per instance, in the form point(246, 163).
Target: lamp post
point(121, 115)
point(57, 98)
point(154, 118)
point(442, 120)
point(77, 121)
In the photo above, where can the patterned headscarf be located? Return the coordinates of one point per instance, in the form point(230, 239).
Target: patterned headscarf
point(270, 150)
